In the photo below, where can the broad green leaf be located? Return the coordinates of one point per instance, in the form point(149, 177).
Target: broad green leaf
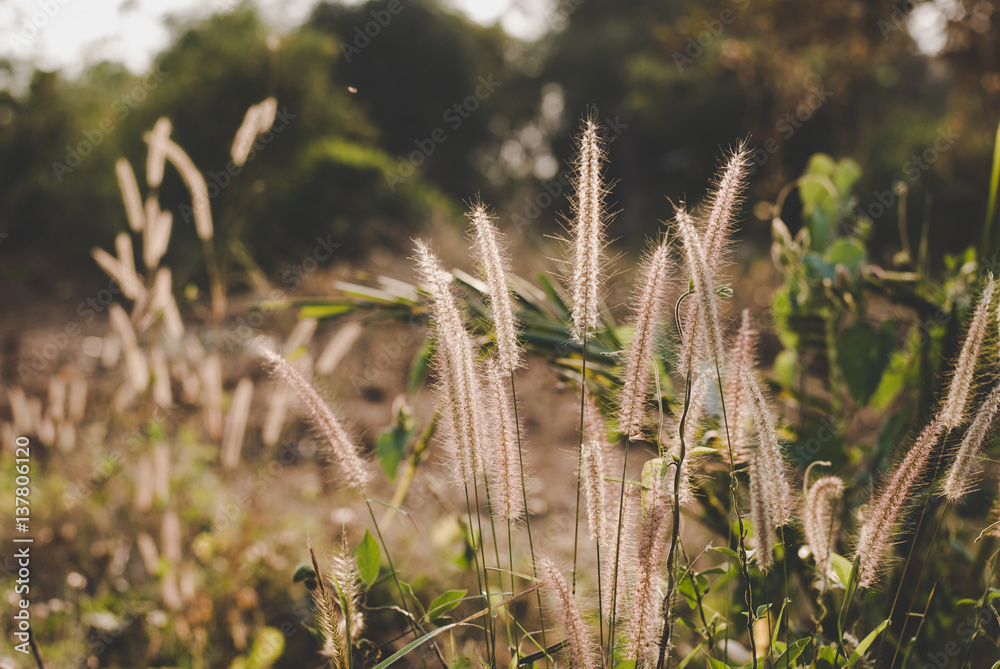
point(421, 365)
point(726, 551)
point(847, 252)
point(792, 653)
point(862, 355)
point(690, 656)
point(390, 445)
point(842, 568)
point(444, 602)
point(865, 643)
point(369, 559)
point(716, 664)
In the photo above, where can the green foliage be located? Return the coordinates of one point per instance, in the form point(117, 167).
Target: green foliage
point(369, 557)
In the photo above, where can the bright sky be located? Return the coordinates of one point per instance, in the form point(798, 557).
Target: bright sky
point(70, 34)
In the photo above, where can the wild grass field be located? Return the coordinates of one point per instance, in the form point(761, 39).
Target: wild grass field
point(623, 462)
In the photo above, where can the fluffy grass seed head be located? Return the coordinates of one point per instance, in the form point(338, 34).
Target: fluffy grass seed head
point(588, 232)
point(819, 527)
point(897, 494)
point(130, 194)
point(344, 449)
point(646, 320)
point(503, 459)
point(582, 650)
point(592, 480)
point(777, 490)
point(495, 265)
point(953, 412)
point(461, 394)
point(963, 469)
point(157, 139)
point(705, 328)
point(645, 622)
point(728, 193)
point(196, 185)
point(256, 121)
point(760, 514)
point(736, 393)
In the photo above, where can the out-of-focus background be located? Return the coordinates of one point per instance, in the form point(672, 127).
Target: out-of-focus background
point(392, 115)
point(678, 82)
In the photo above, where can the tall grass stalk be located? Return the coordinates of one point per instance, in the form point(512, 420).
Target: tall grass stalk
point(588, 248)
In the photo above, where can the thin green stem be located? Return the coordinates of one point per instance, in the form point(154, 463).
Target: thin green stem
point(527, 512)
point(417, 631)
point(475, 559)
point(492, 658)
point(579, 460)
point(496, 552)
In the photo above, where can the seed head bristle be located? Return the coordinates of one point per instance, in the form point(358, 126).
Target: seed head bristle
point(953, 412)
point(645, 621)
point(504, 459)
point(582, 652)
point(817, 521)
point(588, 233)
point(624, 534)
point(760, 514)
point(727, 197)
point(777, 491)
point(456, 362)
point(345, 579)
point(877, 533)
point(495, 265)
point(594, 486)
point(963, 469)
point(648, 310)
point(736, 393)
point(705, 328)
point(343, 448)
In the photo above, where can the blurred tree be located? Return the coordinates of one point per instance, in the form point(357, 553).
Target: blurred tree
point(431, 81)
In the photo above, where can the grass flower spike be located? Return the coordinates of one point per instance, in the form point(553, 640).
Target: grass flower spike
point(588, 232)
point(581, 647)
point(343, 448)
point(495, 264)
point(646, 322)
point(880, 527)
point(953, 412)
point(957, 482)
point(819, 527)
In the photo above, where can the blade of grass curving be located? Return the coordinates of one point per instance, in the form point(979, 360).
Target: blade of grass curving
point(389, 661)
